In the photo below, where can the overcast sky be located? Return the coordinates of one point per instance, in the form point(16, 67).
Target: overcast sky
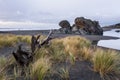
point(52, 11)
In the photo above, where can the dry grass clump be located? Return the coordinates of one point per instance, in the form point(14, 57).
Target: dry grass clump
point(2, 76)
point(106, 62)
point(42, 52)
point(86, 53)
point(40, 68)
point(3, 61)
point(56, 50)
point(76, 44)
point(25, 38)
point(7, 40)
point(64, 74)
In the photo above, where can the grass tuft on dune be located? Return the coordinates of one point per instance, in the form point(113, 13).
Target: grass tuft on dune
point(40, 68)
point(8, 40)
point(106, 62)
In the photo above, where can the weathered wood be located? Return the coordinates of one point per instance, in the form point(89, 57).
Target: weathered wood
point(47, 39)
point(24, 57)
point(34, 42)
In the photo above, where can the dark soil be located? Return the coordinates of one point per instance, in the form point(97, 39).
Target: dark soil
point(6, 51)
point(82, 70)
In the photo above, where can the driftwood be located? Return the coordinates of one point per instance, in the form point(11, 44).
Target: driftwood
point(23, 57)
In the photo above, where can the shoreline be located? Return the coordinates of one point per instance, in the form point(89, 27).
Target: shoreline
point(58, 35)
point(109, 28)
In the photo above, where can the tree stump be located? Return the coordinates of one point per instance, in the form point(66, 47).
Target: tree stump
point(23, 58)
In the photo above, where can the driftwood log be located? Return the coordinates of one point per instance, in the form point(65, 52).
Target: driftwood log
point(23, 58)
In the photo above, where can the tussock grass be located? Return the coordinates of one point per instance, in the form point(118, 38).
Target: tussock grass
point(86, 53)
point(40, 68)
point(64, 74)
point(3, 62)
point(7, 40)
point(106, 62)
point(76, 45)
point(56, 50)
point(25, 38)
point(2, 76)
point(42, 52)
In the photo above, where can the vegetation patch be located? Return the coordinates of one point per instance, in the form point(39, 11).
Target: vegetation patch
point(57, 59)
point(7, 40)
point(106, 62)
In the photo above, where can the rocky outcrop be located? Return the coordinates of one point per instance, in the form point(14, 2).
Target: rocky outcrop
point(110, 27)
point(81, 26)
point(114, 26)
point(65, 26)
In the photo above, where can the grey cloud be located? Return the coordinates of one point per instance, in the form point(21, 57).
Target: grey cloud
point(53, 11)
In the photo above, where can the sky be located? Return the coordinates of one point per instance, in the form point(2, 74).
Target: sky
point(37, 12)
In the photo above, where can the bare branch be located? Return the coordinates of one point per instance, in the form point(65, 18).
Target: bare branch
point(47, 39)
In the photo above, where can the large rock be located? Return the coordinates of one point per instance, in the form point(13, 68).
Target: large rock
point(110, 27)
point(65, 26)
point(87, 26)
point(81, 26)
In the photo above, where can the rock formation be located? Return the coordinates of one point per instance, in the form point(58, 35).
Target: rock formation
point(65, 26)
point(110, 27)
point(81, 26)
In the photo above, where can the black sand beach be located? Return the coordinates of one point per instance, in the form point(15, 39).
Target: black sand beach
point(58, 35)
point(81, 70)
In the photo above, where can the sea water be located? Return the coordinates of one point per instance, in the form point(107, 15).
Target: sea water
point(115, 44)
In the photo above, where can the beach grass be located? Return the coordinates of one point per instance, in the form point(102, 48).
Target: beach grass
point(2, 76)
point(40, 68)
point(77, 46)
point(86, 53)
point(106, 62)
point(8, 40)
point(63, 50)
point(3, 61)
point(64, 73)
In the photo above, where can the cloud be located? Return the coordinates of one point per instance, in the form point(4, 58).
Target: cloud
point(52, 11)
